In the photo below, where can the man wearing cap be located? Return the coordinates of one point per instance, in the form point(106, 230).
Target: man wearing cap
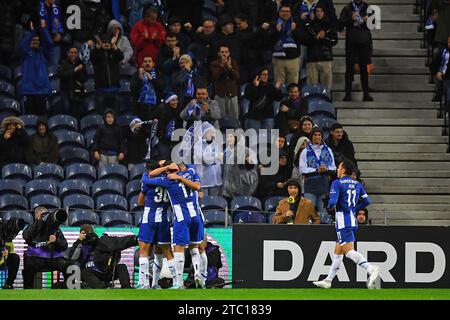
point(316, 165)
point(300, 211)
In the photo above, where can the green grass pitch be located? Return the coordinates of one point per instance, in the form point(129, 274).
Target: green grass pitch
point(229, 294)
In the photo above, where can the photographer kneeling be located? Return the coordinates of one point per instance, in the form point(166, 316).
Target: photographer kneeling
point(98, 258)
point(8, 259)
point(46, 242)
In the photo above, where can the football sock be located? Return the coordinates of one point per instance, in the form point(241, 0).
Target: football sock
point(359, 259)
point(203, 266)
point(157, 266)
point(334, 267)
point(143, 271)
point(179, 267)
point(173, 272)
point(195, 254)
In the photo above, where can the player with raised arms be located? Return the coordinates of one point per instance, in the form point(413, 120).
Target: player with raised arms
point(154, 232)
point(188, 227)
point(344, 196)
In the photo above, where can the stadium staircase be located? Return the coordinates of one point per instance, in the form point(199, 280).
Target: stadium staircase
point(398, 138)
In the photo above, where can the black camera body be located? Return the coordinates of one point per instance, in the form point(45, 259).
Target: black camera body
point(53, 219)
point(10, 228)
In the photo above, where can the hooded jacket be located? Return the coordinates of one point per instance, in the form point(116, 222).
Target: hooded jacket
point(106, 67)
point(13, 149)
point(344, 147)
point(42, 148)
point(108, 139)
point(123, 43)
point(72, 81)
point(320, 49)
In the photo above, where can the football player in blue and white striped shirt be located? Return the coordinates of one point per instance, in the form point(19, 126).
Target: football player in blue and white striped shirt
point(344, 195)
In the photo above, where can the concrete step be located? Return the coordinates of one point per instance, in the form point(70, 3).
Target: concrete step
point(431, 223)
point(359, 105)
point(408, 182)
point(398, 139)
point(387, 130)
point(386, 44)
point(387, 114)
point(383, 189)
point(383, 35)
point(400, 148)
point(390, 62)
point(388, 70)
point(390, 156)
point(400, 3)
point(413, 207)
point(392, 122)
point(403, 165)
point(395, 173)
point(410, 215)
point(389, 52)
point(409, 199)
point(338, 85)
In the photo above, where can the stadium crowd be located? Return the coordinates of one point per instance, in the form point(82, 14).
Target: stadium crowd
point(115, 90)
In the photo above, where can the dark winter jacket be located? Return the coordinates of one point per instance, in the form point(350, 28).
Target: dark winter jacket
point(169, 116)
point(343, 148)
point(136, 87)
point(13, 149)
point(320, 49)
point(72, 81)
point(108, 139)
point(106, 67)
point(35, 79)
point(180, 80)
point(42, 148)
point(136, 144)
point(36, 236)
point(225, 80)
point(254, 94)
point(354, 34)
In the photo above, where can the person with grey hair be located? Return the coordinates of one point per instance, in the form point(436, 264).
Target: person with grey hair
point(46, 242)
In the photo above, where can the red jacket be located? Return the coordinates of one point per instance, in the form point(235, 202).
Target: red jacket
point(147, 46)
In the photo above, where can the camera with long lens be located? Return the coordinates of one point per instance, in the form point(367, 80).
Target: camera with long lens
point(10, 228)
point(54, 219)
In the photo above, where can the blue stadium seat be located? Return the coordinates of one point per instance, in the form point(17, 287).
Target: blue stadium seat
point(316, 90)
point(270, 219)
point(137, 218)
point(30, 131)
point(125, 101)
point(213, 202)
point(316, 106)
point(249, 217)
point(116, 218)
point(29, 120)
point(246, 203)
point(69, 138)
point(78, 201)
point(229, 123)
point(70, 155)
point(89, 86)
point(81, 171)
point(125, 119)
point(90, 105)
point(137, 171)
point(25, 215)
point(17, 171)
point(324, 121)
point(10, 187)
point(134, 204)
point(111, 201)
point(13, 202)
point(5, 72)
point(17, 73)
point(133, 188)
point(55, 85)
point(244, 105)
point(89, 138)
point(271, 204)
point(10, 105)
point(113, 171)
point(91, 121)
point(63, 121)
point(125, 86)
point(104, 186)
point(6, 88)
point(47, 200)
point(127, 70)
point(38, 187)
point(216, 218)
point(74, 186)
point(49, 170)
point(80, 217)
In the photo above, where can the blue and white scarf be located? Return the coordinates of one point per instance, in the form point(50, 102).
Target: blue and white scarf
point(304, 8)
point(52, 23)
point(190, 84)
point(286, 41)
point(445, 59)
point(357, 8)
point(325, 158)
point(148, 94)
